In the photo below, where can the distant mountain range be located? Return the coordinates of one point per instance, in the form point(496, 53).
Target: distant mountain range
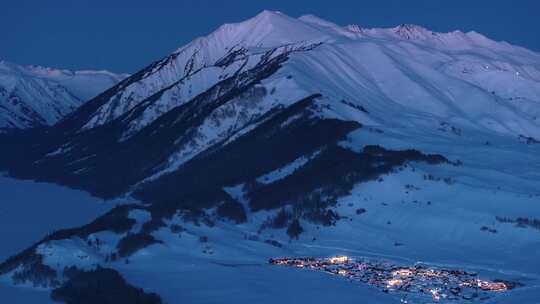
point(33, 96)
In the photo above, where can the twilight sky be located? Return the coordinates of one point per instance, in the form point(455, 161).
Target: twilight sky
point(126, 35)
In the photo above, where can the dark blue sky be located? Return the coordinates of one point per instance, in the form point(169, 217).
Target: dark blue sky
point(123, 36)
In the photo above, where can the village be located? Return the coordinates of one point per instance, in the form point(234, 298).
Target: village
point(415, 282)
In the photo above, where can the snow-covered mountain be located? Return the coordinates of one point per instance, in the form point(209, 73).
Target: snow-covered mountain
point(217, 88)
point(296, 136)
point(32, 96)
point(466, 62)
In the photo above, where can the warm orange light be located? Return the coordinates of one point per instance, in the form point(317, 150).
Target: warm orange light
point(403, 272)
point(492, 286)
point(338, 259)
point(393, 283)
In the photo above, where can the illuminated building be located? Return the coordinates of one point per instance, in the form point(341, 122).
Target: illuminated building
point(393, 283)
point(339, 259)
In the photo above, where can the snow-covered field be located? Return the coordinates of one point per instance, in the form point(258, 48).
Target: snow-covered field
point(421, 213)
point(408, 219)
point(397, 226)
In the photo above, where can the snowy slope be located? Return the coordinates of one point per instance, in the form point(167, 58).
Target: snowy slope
point(398, 144)
point(32, 95)
point(472, 63)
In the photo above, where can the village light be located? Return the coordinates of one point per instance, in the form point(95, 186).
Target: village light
point(432, 282)
point(492, 286)
point(403, 273)
point(435, 293)
point(393, 283)
point(499, 287)
point(339, 259)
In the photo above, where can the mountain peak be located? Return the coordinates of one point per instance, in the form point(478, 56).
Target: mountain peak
point(269, 18)
point(412, 31)
point(47, 71)
point(269, 14)
point(267, 29)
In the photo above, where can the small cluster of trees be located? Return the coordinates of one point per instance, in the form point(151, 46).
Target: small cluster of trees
point(37, 273)
point(487, 229)
point(232, 210)
point(101, 285)
point(295, 229)
point(446, 180)
point(521, 221)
